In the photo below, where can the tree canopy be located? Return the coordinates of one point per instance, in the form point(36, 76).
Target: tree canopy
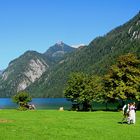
point(82, 89)
point(123, 79)
point(22, 98)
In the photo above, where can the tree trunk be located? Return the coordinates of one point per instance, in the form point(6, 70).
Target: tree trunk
point(86, 106)
point(106, 106)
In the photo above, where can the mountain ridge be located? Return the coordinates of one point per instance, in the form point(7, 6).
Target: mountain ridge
point(23, 71)
point(95, 58)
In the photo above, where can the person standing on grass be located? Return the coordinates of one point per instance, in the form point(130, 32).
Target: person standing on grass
point(125, 113)
point(132, 114)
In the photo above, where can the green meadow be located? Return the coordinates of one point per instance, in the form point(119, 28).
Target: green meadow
point(66, 125)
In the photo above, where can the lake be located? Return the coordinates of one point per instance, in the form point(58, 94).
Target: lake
point(40, 103)
point(52, 103)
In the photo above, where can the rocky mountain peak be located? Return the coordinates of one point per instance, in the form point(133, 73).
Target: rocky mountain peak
point(57, 51)
point(60, 43)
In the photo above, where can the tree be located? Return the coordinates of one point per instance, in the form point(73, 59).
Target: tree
point(123, 79)
point(22, 98)
point(80, 89)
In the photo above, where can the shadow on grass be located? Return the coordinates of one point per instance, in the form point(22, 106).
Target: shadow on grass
point(96, 110)
point(122, 123)
point(106, 110)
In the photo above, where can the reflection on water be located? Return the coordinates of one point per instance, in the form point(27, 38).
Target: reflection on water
point(40, 103)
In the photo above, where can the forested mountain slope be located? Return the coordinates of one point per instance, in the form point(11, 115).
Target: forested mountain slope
point(95, 58)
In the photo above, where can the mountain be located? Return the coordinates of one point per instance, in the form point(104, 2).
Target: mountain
point(25, 70)
point(45, 75)
point(96, 58)
point(21, 72)
point(57, 51)
point(1, 72)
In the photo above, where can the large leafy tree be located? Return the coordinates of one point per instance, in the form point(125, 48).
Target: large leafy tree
point(22, 98)
point(82, 90)
point(123, 79)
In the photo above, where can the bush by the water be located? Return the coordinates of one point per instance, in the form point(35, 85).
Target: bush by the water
point(22, 98)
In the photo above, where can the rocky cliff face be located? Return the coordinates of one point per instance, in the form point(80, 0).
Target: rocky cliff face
point(35, 69)
point(134, 30)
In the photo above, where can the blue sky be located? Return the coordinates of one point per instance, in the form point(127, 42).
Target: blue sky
point(38, 24)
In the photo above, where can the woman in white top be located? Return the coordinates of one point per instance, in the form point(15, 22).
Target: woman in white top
point(132, 114)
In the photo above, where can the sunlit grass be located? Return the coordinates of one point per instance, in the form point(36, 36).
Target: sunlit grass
point(66, 125)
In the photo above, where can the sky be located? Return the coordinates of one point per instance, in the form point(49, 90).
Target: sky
point(39, 24)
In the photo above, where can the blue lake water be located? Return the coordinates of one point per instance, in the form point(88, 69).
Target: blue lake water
point(40, 103)
point(52, 103)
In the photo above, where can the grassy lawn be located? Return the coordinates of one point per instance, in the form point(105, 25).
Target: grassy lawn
point(66, 125)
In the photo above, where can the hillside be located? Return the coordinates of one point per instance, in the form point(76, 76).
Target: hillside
point(95, 58)
point(21, 72)
point(29, 67)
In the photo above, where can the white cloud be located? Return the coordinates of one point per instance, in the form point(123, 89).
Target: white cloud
point(77, 46)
